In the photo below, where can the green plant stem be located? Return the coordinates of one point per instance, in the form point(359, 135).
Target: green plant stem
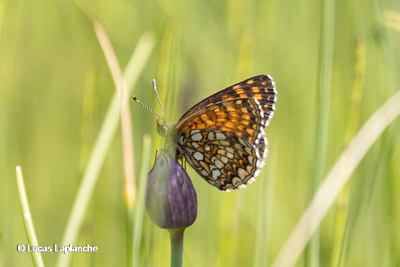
point(176, 236)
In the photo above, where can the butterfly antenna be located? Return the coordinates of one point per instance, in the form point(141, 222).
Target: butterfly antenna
point(158, 97)
point(152, 111)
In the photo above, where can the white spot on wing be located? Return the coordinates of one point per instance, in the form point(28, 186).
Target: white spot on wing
point(211, 136)
point(271, 114)
point(198, 156)
point(241, 140)
point(229, 155)
point(224, 159)
point(242, 173)
point(224, 143)
point(216, 174)
point(220, 136)
point(218, 164)
point(197, 136)
point(252, 180)
point(195, 144)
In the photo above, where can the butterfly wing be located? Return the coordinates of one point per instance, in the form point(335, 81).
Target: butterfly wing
point(261, 87)
point(222, 137)
point(223, 159)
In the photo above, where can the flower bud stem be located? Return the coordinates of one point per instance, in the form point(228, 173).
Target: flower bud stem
point(176, 236)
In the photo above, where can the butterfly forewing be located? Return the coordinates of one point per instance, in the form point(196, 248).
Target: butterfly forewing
point(261, 87)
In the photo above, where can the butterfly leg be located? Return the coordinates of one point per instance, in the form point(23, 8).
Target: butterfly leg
point(183, 163)
point(157, 150)
point(182, 170)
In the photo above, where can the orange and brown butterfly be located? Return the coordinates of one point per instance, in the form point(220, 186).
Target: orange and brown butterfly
point(222, 137)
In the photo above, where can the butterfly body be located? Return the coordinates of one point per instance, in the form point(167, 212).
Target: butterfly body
point(222, 137)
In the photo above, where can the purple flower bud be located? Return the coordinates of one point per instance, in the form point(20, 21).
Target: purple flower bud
point(171, 199)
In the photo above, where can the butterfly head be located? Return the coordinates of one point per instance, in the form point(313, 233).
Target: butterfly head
point(163, 127)
point(166, 130)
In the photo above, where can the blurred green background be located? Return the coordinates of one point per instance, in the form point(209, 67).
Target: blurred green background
point(55, 88)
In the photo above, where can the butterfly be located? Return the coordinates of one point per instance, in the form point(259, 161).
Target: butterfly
point(223, 136)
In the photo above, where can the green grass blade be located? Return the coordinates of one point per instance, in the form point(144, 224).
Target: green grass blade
point(126, 125)
point(327, 33)
point(26, 213)
point(138, 212)
point(342, 203)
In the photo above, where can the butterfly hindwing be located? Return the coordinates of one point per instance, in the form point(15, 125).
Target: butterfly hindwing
point(225, 143)
point(223, 159)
